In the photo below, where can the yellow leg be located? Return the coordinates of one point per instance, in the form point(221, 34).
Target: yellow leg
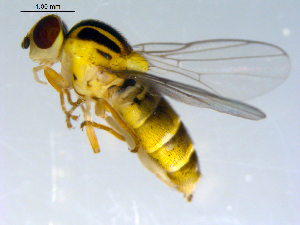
point(92, 138)
point(56, 80)
point(74, 104)
point(123, 125)
point(68, 113)
point(77, 103)
point(61, 85)
point(89, 125)
point(90, 129)
point(103, 127)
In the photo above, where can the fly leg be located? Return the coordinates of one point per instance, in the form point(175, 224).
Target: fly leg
point(68, 114)
point(43, 65)
point(127, 131)
point(35, 70)
point(89, 128)
point(90, 125)
point(118, 127)
point(62, 85)
point(102, 127)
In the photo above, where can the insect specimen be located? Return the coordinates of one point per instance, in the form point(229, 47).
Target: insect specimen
point(124, 84)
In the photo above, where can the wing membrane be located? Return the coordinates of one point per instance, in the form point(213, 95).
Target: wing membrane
point(237, 69)
point(212, 73)
point(193, 95)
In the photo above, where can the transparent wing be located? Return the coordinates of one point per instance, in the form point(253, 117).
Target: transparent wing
point(213, 73)
point(193, 95)
point(235, 69)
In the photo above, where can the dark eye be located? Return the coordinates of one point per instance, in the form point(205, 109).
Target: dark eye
point(46, 32)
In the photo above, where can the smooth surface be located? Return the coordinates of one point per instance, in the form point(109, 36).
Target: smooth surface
point(49, 174)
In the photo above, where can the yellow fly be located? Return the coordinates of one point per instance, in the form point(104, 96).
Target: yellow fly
point(102, 68)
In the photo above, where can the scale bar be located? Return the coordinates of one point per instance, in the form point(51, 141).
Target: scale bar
point(46, 11)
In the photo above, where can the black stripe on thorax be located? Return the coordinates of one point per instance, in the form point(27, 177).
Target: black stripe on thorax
point(91, 34)
point(105, 27)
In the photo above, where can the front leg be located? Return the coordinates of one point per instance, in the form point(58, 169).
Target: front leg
point(43, 65)
point(56, 80)
point(62, 86)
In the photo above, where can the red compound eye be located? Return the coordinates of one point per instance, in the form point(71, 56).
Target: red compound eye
point(46, 32)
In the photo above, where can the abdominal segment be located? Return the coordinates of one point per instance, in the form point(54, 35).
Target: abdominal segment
point(168, 149)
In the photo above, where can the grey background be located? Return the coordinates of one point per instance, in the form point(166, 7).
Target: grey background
point(49, 174)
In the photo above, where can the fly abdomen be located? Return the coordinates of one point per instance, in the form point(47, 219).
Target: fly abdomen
point(159, 128)
point(168, 144)
point(135, 111)
point(162, 136)
point(175, 153)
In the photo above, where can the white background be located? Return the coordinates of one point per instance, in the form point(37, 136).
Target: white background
point(251, 173)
